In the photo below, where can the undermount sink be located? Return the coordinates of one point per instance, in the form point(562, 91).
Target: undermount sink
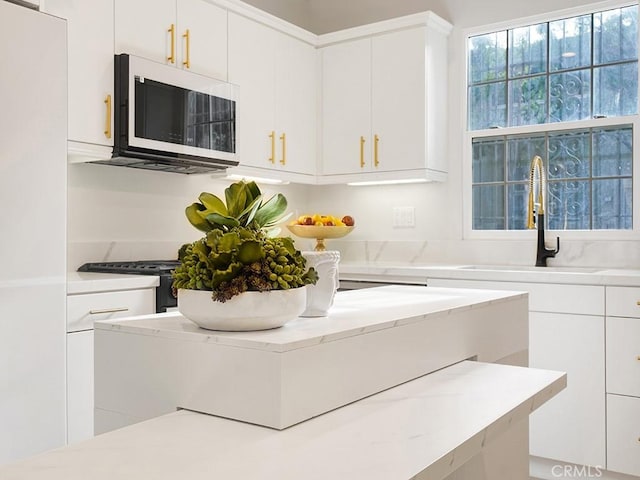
point(531, 268)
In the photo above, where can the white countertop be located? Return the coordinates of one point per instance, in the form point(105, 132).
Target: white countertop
point(429, 426)
point(353, 313)
point(497, 273)
point(84, 282)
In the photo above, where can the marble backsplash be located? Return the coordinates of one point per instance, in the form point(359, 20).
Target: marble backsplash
point(609, 254)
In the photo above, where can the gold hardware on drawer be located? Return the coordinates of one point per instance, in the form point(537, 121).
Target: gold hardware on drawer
point(108, 310)
point(638, 358)
point(638, 303)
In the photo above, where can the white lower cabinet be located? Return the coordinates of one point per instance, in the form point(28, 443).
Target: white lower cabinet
point(566, 333)
point(623, 356)
point(82, 311)
point(623, 380)
point(571, 427)
point(623, 434)
point(79, 386)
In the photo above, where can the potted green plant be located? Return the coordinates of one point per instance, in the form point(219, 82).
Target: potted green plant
point(240, 275)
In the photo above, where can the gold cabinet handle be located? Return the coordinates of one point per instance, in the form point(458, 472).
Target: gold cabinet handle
point(376, 140)
point(361, 152)
point(107, 123)
point(638, 358)
point(638, 303)
point(108, 310)
point(272, 136)
point(187, 41)
point(172, 56)
point(283, 139)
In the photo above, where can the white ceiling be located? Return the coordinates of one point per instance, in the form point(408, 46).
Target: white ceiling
point(322, 16)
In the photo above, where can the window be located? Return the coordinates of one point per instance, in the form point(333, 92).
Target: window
point(537, 84)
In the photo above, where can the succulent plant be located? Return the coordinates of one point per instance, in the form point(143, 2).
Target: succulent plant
point(237, 254)
point(244, 207)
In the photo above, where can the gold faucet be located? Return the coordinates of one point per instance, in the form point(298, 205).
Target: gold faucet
point(536, 166)
point(535, 212)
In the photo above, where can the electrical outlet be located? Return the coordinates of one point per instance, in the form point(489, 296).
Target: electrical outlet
point(404, 217)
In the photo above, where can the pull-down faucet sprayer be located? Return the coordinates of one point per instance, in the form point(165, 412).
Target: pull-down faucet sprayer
point(535, 213)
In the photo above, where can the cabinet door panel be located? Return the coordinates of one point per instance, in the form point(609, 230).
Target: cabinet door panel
point(141, 28)
point(90, 65)
point(207, 26)
point(623, 434)
point(623, 301)
point(295, 102)
point(623, 356)
point(398, 99)
point(32, 284)
point(251, 67)
point(572, 426)
point(79, 386)
point(83, 310)
point(346, 107)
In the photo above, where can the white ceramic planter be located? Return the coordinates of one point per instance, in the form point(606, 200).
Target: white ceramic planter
point(247, 311)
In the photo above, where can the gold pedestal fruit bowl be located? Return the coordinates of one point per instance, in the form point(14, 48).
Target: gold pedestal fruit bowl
point(320, 233)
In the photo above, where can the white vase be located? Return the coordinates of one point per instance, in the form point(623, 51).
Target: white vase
point(320, 296)
point(247, 311)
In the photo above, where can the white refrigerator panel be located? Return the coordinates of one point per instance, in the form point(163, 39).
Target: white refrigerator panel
point(33, 131)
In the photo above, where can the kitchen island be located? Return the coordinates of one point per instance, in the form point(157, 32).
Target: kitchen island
point(379, 389)
point(372, 340)
point(462, 422)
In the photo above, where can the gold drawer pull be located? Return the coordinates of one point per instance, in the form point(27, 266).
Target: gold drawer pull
point(362, 152)
point(108, 310)
point(638, 358)
point(638, 303)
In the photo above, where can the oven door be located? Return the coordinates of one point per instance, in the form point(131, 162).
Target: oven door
point(172, 110)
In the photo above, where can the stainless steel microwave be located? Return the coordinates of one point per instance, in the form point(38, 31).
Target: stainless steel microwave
point(170, 119)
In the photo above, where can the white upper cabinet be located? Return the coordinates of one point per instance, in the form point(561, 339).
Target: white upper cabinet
point(206, 25)
point(90, 65)
point(384, 101)
point(276, 75)
point(295, 102)
point(346, 108)
point(251, 67)
point(188, 34)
